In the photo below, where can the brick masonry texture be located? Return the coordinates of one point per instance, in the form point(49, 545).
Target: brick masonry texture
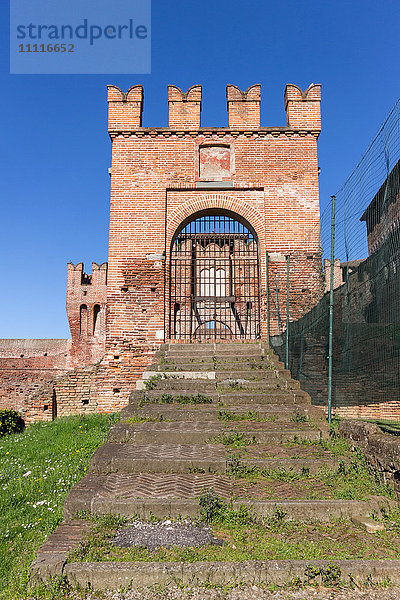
point(34, 373)
point(161, 177)
point(365, 357)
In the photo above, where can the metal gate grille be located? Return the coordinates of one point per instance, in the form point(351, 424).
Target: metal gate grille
point(214, 284)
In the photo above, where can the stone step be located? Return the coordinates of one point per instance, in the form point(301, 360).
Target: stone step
point(173, 412)
point(273, 396)
point(193, 385)
point(212, 348)
point(162, 396)
point(256, 387)
point(252, 375)
point(182, 458)
point(186, 366)
point(139, 575)
point(221, 362)
point(211, 355)
point(167, 495)
point(201, 432)
point(267, 397)
point(191, 375)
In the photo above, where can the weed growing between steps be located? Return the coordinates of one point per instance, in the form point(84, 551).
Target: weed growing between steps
point(338, 446)
point(152, 381)
point(171, 399)
point(352, 479)
point(141, 419)
point(234, 439)
point(247, 536)
point(38, 468)
point(249, 415)
point(299, 418)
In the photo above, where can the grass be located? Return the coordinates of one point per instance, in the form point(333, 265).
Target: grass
point(38, 468)
point(353, 479)
point(235, 439)
point(247, 536)
point(338, 446)
point(249, 415)
point(171, 399)
point(140, 419)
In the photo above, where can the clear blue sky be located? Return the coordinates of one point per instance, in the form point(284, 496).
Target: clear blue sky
point(55, 150)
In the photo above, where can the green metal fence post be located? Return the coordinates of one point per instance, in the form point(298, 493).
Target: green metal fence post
point(287, 311)
point(267, 295)
point(330, 356)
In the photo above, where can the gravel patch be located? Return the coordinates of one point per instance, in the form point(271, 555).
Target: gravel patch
point(164, 535)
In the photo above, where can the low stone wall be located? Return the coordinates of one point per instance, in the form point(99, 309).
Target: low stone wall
point(381, 450)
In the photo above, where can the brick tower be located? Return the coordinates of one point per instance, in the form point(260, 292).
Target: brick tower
point(194, 210)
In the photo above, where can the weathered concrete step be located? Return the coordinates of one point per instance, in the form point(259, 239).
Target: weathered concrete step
point(255, 354)
point(115, 575)
point(202, 432)
point(255, 362)
point(187, 366)
point(181, 458)
point(179, 360)
point(256, 386)
point(297, 397)
point(156, 395)
point(172, 412)
point(191, 375)
point(214, 348)
point(192, 385)
point(252, 374)
point(276, 412)
point(165, 495)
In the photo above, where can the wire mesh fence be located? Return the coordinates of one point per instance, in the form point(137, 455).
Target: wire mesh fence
point(366, 288)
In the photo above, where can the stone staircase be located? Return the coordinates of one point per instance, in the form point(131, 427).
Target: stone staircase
point(172, 444)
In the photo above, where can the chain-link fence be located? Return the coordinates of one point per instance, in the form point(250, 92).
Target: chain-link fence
point(366, 282)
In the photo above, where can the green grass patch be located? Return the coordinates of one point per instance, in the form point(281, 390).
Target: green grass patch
point(336, 445)
point(171, 399)
point(249, 415)
point(299, 418)
point(142, 419)
point(352, 480)
point(235, 439)
point(38, 468)
point(247, 536)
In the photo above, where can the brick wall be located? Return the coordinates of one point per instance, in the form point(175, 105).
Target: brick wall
point(29, 368)
point(366, 363)
point(267, 176)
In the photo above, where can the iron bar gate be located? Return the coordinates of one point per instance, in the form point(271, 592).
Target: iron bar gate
point(214, 285)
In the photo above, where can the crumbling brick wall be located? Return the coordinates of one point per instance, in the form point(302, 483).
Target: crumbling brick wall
point(28, 368)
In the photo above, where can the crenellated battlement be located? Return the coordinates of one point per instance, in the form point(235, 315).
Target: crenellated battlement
point(125, 109)
point(78, 277)
point(86, 301)
point(243, 107)
point(303, 109)
point(184, 108)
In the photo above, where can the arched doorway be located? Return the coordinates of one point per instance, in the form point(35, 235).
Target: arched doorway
point(214, 279)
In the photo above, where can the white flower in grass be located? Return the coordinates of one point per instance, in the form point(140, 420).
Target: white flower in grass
point(27, 474)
